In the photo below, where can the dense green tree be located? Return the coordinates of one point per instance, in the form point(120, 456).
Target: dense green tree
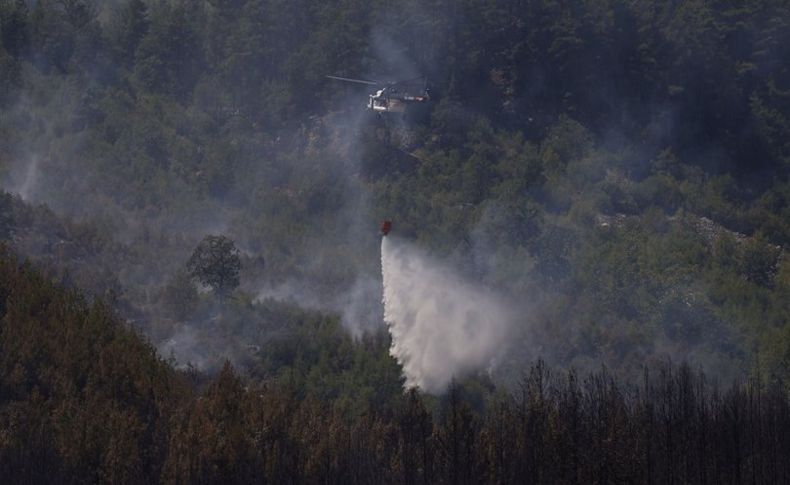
point(14, 27)
point(168, 58)
point(51, 37)
point(180, 295)
point(216, 263)
point(130, 24)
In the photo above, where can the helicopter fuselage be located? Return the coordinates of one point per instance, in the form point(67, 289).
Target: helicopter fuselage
point(384, 101)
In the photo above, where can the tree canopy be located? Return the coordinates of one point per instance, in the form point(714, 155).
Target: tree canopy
point(215, 263)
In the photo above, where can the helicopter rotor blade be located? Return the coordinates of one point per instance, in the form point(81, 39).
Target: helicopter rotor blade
point(359, 81)
point(408, 81)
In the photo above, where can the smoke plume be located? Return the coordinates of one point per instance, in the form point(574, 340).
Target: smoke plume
point(442, 327)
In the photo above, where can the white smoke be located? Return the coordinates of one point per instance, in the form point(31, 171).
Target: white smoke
point(29, 181)
point(23, 179)
point(358, 305)
point(442, 327)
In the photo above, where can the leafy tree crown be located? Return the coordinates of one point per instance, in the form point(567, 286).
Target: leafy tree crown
point(216, 263)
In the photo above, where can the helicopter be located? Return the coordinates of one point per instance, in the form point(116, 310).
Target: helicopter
point(386, 227)
point(393, 97)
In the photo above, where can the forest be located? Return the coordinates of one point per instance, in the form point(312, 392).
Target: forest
point(616, 172)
